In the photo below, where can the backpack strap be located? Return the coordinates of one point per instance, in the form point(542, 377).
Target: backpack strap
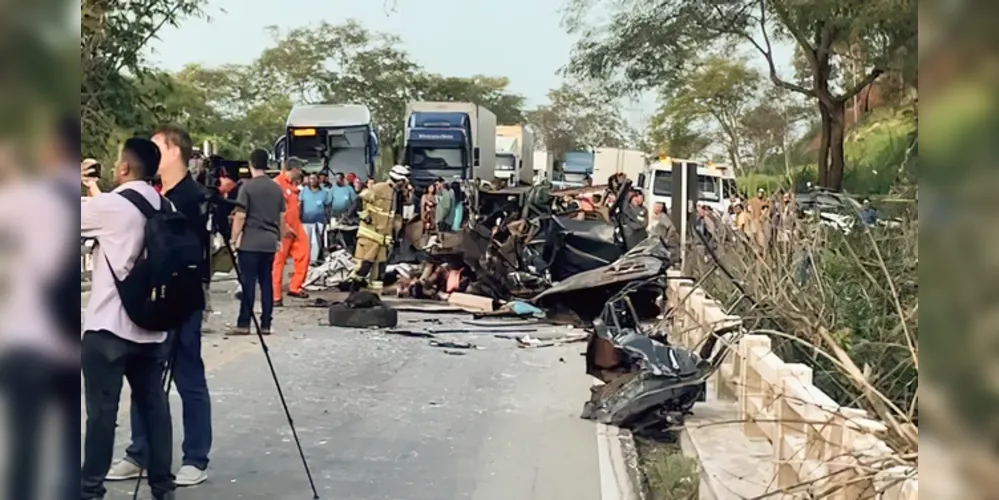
point(141, 202)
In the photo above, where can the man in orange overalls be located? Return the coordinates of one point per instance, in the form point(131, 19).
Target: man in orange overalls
point(294, 242)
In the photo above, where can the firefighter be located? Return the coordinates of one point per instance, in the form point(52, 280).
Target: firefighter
point(380, 218)
point(294, 242)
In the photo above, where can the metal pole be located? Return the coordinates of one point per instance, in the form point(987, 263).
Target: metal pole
point(683, 214)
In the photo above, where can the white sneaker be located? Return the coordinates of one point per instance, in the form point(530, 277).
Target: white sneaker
point(124, 470)
point(190, 475)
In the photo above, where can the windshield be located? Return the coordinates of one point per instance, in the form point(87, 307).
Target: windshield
point(436, 158)
point(346, 149)
point(708, 187)
point(505, 162)
point(662, 183)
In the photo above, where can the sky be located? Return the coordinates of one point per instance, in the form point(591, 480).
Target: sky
point(519, 39)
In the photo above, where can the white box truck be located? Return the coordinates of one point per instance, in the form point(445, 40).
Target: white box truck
point(610, 161)
point(515, 154)
point(544, 166)
point(452, 140)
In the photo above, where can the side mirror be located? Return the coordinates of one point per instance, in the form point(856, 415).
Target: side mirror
point(475, 157)
point(641, 180)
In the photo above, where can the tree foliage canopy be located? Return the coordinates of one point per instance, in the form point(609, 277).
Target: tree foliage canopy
point(578, 118)
point(648, 45)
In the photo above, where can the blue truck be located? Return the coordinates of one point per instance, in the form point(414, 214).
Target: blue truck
point(576, 166)
point(452, 140)
point(332, 138)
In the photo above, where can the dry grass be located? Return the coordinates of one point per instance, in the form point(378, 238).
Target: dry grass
point(847, 306)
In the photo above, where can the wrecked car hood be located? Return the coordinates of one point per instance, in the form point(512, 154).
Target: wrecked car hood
point(586, 293)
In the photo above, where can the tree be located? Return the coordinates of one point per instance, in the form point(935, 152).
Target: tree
point(577, 118)
point(718, 91)
point(769, 127)
point(651, 45)
point(675, 136)
point(114, 73)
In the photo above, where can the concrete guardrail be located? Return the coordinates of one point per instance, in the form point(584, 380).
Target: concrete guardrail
point(816, 445)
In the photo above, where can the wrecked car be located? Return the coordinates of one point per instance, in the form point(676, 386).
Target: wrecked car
point(649, 385)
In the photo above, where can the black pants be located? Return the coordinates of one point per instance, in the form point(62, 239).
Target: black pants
point(365, 268)
point(256, 268)
point(30, 382)
point(106, 360)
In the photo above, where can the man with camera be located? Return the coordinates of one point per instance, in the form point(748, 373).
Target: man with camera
point(191, 200)
point(114, 346)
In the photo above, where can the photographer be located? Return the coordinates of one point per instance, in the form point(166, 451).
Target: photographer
point(113, 346)
point(189, 198)
point(256, 232)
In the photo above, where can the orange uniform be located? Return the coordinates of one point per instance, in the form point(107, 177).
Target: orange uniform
point(297, 248)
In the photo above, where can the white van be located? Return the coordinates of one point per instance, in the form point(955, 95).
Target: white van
point(717, 183)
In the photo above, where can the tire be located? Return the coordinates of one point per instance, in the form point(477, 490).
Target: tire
point(378, 316)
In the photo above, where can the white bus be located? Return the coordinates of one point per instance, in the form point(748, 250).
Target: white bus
point(717, 183)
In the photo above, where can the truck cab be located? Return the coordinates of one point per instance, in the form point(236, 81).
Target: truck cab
point(578, 165)
point(449, 140)
point(716, 183)
point(507, 159)
point(337, 138)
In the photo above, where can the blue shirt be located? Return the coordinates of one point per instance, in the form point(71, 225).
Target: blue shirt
point(314, 205)
point(341, 197)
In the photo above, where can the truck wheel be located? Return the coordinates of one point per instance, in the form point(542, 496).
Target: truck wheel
point(378, 316)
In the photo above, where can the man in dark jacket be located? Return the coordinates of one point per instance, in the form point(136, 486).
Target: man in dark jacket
point(635, 219)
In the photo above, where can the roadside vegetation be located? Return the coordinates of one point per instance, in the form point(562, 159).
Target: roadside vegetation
point(669, 474)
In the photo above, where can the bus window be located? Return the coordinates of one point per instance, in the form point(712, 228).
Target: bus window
point(662, 183)
point(708, 187)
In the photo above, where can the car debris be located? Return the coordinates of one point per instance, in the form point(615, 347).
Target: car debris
point(649, 386)
point(586, 293)
point(527, 341)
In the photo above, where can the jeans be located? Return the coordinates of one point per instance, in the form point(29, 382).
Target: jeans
point(106, 360)
point(188, 373)
point(30, 383)
point(256, 268)
point(315, 231)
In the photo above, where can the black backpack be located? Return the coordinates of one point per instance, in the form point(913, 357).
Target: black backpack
point(164, 286)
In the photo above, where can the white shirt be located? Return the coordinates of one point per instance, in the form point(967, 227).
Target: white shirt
point(33, 219)
point(119, 228)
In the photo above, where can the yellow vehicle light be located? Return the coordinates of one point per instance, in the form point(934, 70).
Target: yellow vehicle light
point(303, 132)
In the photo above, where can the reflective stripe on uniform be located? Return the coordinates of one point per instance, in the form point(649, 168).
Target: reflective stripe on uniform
point(370, 234)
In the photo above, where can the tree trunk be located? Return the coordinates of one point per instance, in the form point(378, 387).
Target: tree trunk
point(824, 142)
point(837, 136)
point(787, 160)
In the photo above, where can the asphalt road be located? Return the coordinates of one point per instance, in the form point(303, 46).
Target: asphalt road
point(389, 417)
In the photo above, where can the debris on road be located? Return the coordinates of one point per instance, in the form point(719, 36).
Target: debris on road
point(453, 345)
point(530, 342)
point(411, 333)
